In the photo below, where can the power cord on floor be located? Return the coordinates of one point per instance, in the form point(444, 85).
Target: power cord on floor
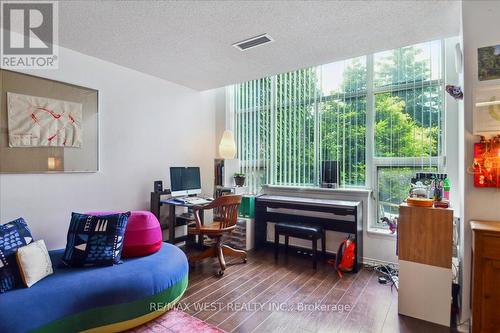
point(387, 273)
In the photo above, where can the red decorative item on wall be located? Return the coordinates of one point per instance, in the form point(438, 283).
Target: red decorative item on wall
point(486, 167)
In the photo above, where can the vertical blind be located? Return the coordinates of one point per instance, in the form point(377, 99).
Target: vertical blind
point(287, 124)
point(276, 129)
point(408, 133)
point(408, 101)
point(342, 121)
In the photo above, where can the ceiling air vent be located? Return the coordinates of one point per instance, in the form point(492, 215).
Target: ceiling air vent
point(253, 42)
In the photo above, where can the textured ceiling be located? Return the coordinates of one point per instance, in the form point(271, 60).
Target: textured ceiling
point(189, 42)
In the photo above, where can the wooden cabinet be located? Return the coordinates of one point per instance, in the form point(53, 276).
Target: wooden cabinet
point(425, 235)
point(486, 276)
point(425, 244)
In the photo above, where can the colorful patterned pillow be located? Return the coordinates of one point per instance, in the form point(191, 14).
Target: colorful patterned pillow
point(13, 235)
point(95, 240)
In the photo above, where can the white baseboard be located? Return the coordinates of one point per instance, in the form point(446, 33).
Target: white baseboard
point(376, 262)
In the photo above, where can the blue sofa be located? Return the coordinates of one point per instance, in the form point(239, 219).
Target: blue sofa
point(100, 299)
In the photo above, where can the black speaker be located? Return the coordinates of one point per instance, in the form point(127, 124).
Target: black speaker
point(329, 174)
point(158, 186)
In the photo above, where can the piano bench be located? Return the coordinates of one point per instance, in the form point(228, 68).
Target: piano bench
point(302, 231)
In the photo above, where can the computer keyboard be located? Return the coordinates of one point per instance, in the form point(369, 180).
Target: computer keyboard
point(192, 200)
point(197, 201)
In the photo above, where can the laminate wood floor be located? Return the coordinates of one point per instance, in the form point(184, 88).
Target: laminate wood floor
point(289, 296)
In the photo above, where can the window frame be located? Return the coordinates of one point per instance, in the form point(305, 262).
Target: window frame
point(372, 162)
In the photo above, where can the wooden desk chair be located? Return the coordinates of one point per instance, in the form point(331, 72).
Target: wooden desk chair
point(225, 218)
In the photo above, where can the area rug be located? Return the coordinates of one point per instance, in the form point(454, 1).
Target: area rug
point(176, 321)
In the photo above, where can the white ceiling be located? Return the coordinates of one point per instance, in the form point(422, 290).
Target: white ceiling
point(189, 42)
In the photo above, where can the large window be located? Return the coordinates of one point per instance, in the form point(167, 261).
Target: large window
point(380, 116)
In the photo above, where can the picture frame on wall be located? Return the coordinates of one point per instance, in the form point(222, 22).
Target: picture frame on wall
point(47, 126)
point(488, 63)
point(486, 110)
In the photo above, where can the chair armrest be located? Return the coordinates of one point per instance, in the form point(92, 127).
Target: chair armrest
point(196, 212)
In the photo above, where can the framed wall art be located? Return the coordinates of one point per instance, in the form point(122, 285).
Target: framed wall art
point(488, 63)
point(47, 126)
point(487, 110)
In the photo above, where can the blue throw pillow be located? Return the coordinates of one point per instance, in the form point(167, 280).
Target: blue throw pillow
point(95, 240)
point(13, 235)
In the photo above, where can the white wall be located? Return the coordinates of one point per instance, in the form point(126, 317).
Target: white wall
point(481, 27)
point(146, 126)
point(220, 115)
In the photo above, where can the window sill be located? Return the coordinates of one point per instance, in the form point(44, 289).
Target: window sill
point(381, 232)
point(314, 189)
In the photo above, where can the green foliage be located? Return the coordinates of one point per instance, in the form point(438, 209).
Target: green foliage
point(397, 134)
point(354, 78)
point(401, 66)
point(406, 122)
point(394, 186)
point(343, 136)
point(410, 67)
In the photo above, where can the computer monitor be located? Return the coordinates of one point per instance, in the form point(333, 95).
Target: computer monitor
point(185, 181)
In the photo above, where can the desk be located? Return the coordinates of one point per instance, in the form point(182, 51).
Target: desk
point(156, 204)
point(323, 212)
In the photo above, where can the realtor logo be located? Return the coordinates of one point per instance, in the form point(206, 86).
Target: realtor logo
point(29, 34)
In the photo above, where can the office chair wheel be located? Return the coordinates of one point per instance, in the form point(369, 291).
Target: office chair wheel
point(220, 273)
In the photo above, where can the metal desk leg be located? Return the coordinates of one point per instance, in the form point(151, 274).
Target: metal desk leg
point(171, 224)
point(200, 237)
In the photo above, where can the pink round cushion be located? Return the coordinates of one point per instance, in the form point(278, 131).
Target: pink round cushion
point(142, 234)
